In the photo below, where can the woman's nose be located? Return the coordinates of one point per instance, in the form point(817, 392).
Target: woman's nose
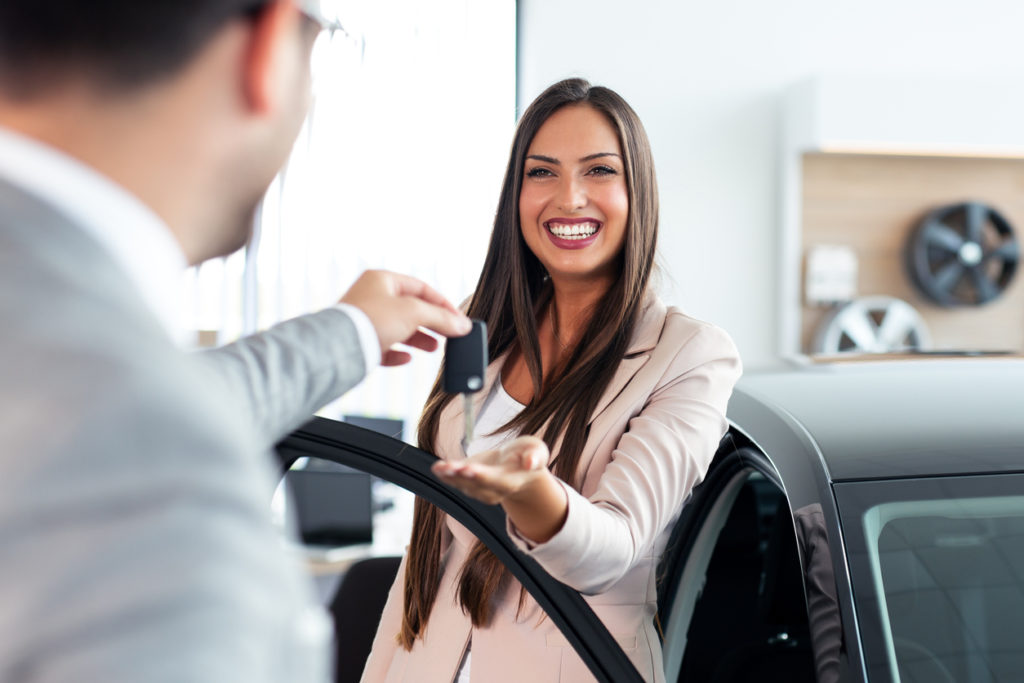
point(572, 195)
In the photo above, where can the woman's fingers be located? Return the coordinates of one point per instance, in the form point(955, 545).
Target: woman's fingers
point(529, 452)
point(493, 475)
point(468, 483)
point(483, 482)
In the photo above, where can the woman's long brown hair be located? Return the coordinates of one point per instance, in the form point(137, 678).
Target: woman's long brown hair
point(512, 292)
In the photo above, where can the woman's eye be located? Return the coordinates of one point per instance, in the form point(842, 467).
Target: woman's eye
point(538, 173)
point(603, 170)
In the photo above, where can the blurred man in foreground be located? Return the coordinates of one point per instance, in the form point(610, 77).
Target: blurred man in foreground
point(136, 138)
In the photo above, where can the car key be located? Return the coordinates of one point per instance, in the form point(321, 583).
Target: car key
point(465, 362)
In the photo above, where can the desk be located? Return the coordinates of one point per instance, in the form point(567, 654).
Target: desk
point(391, 529)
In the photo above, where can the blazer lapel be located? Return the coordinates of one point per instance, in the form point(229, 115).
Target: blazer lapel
point(648, 332)
point(652, 320)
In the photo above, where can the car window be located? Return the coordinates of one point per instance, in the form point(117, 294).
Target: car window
point(739, 610)
point(941, 564)
point(409, 467)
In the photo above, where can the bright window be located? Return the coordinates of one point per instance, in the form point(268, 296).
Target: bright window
point(398, 167)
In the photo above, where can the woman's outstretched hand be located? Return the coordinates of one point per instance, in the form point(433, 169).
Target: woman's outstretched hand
point(516, 476)
point(494, 476)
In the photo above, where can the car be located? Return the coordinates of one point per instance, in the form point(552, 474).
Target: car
point(861, 521)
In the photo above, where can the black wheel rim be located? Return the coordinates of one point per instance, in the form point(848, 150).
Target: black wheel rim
point(963, 255)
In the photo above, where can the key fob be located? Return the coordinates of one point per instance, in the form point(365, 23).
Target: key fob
point(465, 361)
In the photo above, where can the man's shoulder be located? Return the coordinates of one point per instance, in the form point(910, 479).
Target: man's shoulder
point(62, 297)
point(82, 355)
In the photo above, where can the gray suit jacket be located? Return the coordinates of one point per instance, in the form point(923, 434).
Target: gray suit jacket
point(135, 537)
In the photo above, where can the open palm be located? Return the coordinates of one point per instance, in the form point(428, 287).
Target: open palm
point(493, 476)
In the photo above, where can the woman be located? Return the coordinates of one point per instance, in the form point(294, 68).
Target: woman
point(628, 397)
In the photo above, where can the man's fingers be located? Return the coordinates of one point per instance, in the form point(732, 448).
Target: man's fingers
point(406, 285)
point(435, 319)
point(391, 358)
point(398, 305)
point(422, 340)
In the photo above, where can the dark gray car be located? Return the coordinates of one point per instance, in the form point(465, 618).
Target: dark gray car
point(861, 522)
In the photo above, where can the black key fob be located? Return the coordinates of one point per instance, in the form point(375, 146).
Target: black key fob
point(465, 361)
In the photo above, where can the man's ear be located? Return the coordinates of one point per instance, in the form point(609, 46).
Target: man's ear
point(268, 61)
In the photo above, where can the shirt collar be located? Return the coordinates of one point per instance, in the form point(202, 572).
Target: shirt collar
point(137, 239)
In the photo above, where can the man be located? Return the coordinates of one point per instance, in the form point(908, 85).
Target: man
point(135, 542)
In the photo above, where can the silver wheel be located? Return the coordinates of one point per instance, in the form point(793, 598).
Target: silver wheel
point(874, 324)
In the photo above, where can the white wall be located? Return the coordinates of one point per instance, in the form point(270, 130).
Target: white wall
point(707, 78)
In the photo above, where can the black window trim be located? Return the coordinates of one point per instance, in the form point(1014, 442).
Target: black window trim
point(409, 467)
point(736, 457)
point(732, 459)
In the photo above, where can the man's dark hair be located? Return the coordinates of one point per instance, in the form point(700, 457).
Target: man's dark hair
point(115, 44)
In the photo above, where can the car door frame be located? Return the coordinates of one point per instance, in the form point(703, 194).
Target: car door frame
point(734, 457)
point(409, 467)
point(800, 464)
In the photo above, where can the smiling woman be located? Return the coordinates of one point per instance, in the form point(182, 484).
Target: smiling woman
point(601, 410)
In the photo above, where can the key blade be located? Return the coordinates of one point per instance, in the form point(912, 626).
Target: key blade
point(470, 423)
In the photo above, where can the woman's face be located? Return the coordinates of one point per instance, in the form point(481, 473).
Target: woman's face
point(574, 203)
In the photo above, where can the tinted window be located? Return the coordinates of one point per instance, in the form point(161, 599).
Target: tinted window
point(749, 622)
point(940, 575)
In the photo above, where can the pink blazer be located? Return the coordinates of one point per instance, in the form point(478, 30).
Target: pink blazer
point(652, 437)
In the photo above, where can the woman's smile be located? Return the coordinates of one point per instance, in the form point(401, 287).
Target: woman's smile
point(573, 233)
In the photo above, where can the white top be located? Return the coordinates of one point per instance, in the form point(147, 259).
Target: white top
point(131, 232)
point(498, 408)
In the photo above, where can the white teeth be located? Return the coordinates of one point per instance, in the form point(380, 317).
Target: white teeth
point(577, 231)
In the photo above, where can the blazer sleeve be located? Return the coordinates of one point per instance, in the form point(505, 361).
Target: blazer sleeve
point(664, 453)
point(385, 642)
point(280, 377)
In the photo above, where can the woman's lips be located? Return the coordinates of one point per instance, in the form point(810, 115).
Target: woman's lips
point(575, 234)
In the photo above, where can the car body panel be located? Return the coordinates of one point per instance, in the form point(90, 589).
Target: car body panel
point(801, 469)
point(867, 424)
point(907, 418)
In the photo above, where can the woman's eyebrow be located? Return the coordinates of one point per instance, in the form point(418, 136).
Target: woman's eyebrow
point(589, 157)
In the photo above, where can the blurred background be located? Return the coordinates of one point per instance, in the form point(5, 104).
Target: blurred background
point(835, 176)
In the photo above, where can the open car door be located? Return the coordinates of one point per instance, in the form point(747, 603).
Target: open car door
point(409, 467)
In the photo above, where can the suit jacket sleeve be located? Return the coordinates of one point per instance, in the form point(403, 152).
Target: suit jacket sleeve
point(663, 454)
point(280, 377)
point(141, 545)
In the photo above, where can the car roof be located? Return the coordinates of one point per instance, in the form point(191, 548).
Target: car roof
point(891, 418)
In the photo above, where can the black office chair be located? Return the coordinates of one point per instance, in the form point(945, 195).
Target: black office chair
point(356, 609)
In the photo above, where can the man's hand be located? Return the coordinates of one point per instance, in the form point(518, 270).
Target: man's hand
point(398, 305)
point(497, 476)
